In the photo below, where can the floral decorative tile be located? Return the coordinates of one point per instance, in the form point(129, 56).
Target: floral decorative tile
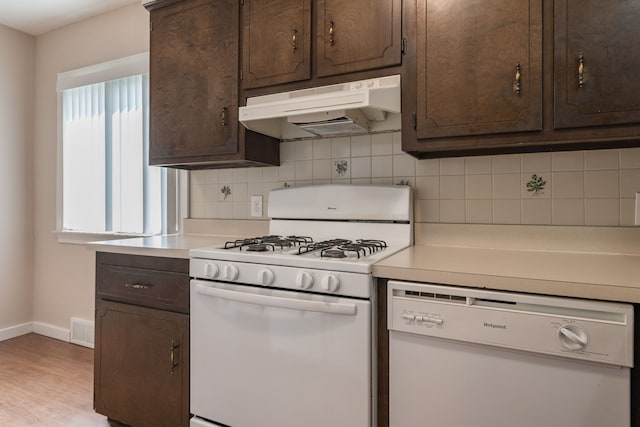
point(225, 192)
point(341, 168)
point(536, 185)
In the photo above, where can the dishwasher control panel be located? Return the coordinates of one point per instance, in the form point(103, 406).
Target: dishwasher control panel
point(582, 329)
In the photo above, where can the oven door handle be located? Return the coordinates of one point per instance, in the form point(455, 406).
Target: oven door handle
point(279, 302)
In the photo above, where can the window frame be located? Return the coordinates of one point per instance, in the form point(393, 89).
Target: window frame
point(177, 180)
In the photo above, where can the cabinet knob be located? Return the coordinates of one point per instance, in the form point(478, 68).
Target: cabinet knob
point(293, 39)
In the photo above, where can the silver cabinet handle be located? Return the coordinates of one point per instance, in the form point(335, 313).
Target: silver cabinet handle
point(136, 286)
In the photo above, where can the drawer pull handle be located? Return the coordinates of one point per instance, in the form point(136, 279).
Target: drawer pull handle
point(293, 39)
point(174, 363)
point(517, 85)
point(580, 69)
point(331, 32)
point(136, 286)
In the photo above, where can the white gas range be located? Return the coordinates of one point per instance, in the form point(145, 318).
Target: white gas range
point(282, 325)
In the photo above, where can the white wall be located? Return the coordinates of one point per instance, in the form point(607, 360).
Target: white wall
point(64, 283)
point(17, 51)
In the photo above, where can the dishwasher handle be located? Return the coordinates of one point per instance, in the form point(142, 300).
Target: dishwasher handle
point(278, 302)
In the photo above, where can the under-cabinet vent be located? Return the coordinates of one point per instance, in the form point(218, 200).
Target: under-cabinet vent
point(363, 106)
point(82, 332)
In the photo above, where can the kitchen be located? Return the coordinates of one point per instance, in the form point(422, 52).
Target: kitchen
point(48, 283)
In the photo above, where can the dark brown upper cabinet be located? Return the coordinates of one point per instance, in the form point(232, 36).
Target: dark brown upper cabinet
point(534, 75)
point(276, 45)
point(194, 88)
point(193, 72)
point(479, 67)
point(353, 36)
point(357, 35)
point(596, 62)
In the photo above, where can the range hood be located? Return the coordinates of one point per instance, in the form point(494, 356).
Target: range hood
point(363, 106)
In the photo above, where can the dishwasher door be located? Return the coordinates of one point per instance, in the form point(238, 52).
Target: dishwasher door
point(462, 357)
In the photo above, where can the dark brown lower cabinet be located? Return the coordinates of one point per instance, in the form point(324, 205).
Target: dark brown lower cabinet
point(141, 369)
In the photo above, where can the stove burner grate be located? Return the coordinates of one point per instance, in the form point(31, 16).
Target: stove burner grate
point(266, 243)
point(241, 242)
point(332, 248)
point(325, 244)
point(355, 247)
point(342, 248)
point(300, 239)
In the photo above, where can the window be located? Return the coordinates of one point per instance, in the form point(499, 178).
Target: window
point(106, 183)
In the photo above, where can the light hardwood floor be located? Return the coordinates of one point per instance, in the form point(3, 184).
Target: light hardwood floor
point(46, 382)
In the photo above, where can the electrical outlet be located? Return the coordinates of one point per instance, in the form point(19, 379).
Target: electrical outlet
point(637, 208)
point(256, 206)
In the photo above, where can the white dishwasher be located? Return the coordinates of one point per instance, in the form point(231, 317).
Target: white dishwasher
point(461, 357)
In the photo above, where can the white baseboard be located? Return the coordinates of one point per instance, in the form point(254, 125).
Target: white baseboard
point(51, 331)
point(37, 327)
point(16, 331)
point(83, 331)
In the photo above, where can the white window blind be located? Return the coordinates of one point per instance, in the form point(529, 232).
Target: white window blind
point(107, 185)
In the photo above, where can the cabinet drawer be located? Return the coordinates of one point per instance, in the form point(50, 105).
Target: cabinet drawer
point(151, 288)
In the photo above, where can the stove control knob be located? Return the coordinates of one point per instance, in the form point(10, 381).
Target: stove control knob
point(572, 337)
point(330, 283)
point(266, 276)
point(230, 272)
point(304, 280)
point(211, 270)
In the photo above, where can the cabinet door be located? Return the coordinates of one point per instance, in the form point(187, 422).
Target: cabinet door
point(358, 35)
point(596, 62)
point(141, 365)
point(277, 42)
point(194, 80)
point(479, 67)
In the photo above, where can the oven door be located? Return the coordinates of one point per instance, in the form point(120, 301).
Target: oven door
point(270, 358)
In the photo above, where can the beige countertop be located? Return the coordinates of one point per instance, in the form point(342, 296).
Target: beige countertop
point(170, 246)
point(614, 277)
point(597, 264)
point(197, 234)
point(585, 262)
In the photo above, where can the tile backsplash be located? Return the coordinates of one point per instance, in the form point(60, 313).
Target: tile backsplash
point(562, 188)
